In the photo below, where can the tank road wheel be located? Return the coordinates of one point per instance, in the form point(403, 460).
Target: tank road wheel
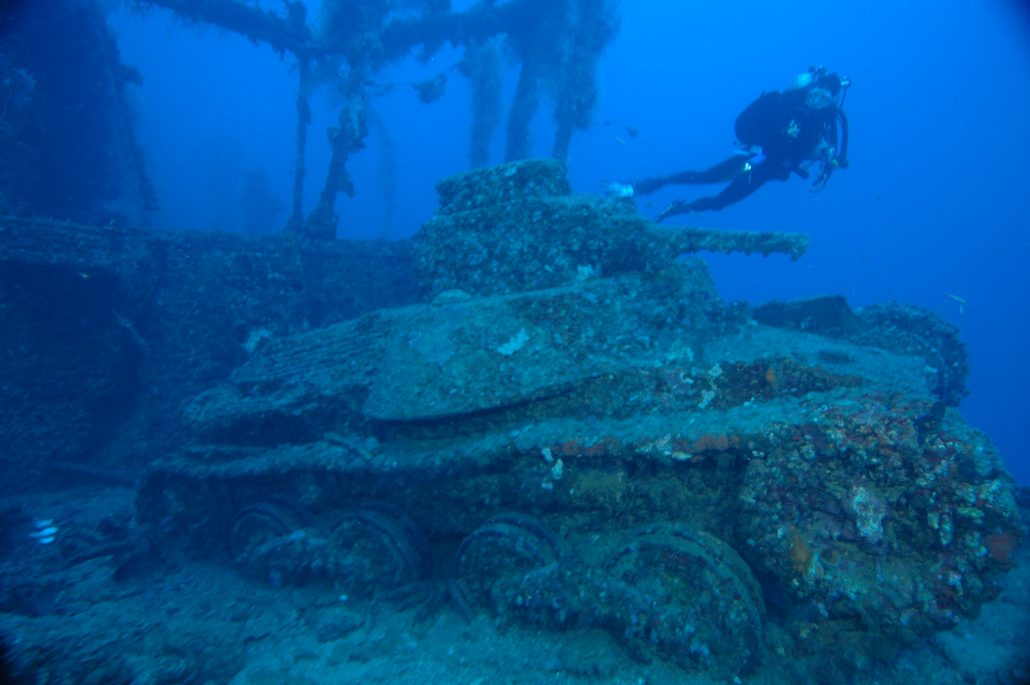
point(505, 548)
point(259, 535)
point(376, 547)
point(691, 597)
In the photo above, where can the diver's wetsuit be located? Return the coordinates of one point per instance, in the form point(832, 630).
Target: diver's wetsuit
point(744, 177)
point(790, 132)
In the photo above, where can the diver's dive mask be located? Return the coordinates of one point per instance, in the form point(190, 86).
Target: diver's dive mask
point(818, 98)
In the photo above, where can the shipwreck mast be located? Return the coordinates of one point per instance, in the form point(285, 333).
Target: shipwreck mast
point(556, 44)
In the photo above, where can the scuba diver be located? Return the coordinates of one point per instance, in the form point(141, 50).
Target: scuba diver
point(780, 133)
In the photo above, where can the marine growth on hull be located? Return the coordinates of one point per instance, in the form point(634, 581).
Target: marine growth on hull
point(573, 430)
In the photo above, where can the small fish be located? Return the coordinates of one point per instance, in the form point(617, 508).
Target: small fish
point(46, 531)
point(961, 302)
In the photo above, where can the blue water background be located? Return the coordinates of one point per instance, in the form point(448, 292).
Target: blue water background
point(933, 205)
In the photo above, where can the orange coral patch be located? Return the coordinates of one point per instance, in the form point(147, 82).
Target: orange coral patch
point(569, 448)
point(710, 442)
point(1001, 545)
point(800, 553)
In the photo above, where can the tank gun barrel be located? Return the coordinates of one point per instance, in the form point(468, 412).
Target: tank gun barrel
point(689, 240)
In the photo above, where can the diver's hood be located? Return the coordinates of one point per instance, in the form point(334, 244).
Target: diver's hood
point(818, 79)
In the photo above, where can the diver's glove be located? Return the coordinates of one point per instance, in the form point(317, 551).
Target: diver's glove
point(829, 166)
point(616, 189)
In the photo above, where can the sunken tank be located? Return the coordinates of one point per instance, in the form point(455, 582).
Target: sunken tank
point(575, 430)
